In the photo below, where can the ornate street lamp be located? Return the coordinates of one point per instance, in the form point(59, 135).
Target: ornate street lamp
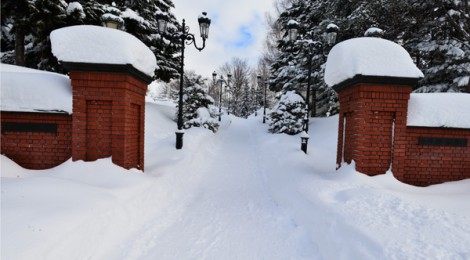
point(112, 21)
point(229, 79)
point(185, 38)
point(227, 83)
point(331, 33)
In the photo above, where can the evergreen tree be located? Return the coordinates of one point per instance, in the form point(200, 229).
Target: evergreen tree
point(17, 29)
point(438, 38)
point(26, 25)
point(288, 115)
point(197, 105)
point(246, 104)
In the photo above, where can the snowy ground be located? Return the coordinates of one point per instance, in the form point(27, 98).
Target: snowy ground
point(241, 193)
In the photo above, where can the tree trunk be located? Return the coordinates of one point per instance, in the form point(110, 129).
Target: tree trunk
point(19, 46)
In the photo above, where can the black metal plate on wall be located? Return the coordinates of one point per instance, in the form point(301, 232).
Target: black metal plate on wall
point(29, 127)
point(439, 141)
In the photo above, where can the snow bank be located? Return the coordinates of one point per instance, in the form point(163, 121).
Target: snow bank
point(29, 90)
point(368, 56)
point(95, 44)
point(439, 110)
point(242, 193)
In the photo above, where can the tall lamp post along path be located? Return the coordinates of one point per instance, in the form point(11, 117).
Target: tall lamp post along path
point(227, 83)
point(185, 38)
point(293, 32)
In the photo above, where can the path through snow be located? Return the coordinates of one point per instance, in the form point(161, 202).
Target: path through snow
point(241, 193)
point(231, 214)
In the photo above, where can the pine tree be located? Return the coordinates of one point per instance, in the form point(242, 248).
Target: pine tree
point(288, 115)
point(17, 29)
point(246, 105)
point(26, 25)
point(197, 105)
point(438, 38)
point(290, 71)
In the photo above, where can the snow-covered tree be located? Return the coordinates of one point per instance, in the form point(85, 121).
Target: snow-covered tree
point(290, 70)
point(240, 71)
point(197, 105)
point(288, 115)
point(246, 104)
point(438, 38)
point(26, 25)
point(436, 33)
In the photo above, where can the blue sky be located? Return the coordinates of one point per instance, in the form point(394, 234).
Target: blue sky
point(238, 29)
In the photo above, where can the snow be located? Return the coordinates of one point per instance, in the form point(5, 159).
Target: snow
point(95, 44)
point(241, 193)
point(373, 31)
point(74, 6)
point(29, 90)
point(368, 56)
point(291, 97)
point(439, 110)
point(131, 14)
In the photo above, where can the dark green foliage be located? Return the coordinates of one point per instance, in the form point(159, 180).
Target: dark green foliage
point(197, 105)
point(435, 33)
point(288, 115)
point(27, 24)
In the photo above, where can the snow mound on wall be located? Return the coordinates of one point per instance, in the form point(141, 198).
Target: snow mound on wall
point(368, 56)
point(95, 44)
point(439, 110)
point(29, 90)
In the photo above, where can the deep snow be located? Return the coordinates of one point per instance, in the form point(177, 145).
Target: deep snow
point(29, 90)
point(368, 56)
point(241, 193)
point(101, 45)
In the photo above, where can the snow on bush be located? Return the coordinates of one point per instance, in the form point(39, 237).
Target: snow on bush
point(76, 8)
point(198, 108)
point(287, 116)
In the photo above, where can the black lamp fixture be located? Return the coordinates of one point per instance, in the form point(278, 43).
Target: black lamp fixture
point(227, 84)
point(331, 34)
point(112, 21)
point(185, 38)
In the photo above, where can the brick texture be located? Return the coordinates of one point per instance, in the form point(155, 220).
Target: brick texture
point(373, 132)
point(109, 113)
point(37, 150)
point(424, 165)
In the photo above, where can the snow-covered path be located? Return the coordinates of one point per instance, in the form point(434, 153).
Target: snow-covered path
point(241, 193)
point(231, 215)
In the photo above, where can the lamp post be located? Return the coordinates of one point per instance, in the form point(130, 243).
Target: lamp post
point(331, 31)
point(229, 79)
point(227, 82)
point(261, 81)
point(185, 38)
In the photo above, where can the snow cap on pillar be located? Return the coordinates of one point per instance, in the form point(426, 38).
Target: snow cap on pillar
point(369, 56)
point(99, 45)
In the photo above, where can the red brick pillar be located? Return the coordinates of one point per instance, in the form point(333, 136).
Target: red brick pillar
point(373, 113)
point(108, 113)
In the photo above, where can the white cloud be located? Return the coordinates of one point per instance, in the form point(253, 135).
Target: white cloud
point(237, 29)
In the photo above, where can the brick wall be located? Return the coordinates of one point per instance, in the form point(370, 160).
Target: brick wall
point(370, 116)
point(32, 147)
point(426, 164)
point(373, 132)
point(109, 113)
